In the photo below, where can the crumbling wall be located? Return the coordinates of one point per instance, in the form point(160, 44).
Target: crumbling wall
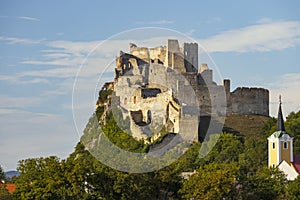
point(140, 52)
point(250, 101)
point(174, 115)
point(158, 53)
point(178, 62)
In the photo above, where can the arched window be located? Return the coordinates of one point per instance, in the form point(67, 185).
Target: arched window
point(273, 145)
point(125, 101)
point(285, 145)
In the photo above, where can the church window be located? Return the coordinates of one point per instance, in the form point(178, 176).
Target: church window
point(273, 165)
point(273, 145)
point(134, 99)
point(285, 145)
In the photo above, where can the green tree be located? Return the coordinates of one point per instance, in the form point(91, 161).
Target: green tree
point(4, 194)
point(266, 183)
point(293, 189)
point(268, 128)
point(40, 178)
point(78, 169)
point(254, 156)
point(293, 128)
point(213, 181)
point(226, 150)
point(2, 176)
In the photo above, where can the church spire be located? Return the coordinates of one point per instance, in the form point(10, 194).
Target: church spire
point(280, 122)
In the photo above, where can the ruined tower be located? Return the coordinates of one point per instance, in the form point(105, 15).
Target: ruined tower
point(190, 52)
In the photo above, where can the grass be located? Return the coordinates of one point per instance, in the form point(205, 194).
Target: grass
point(248, 126)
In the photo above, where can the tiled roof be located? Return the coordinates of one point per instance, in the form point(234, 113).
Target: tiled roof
point(9, 187)
point(296, 163)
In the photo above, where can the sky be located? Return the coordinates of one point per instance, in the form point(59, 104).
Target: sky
point(44, 46)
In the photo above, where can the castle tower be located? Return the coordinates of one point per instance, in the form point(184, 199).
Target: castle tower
point(174, 58)
point(280, 143)
point(190, 52)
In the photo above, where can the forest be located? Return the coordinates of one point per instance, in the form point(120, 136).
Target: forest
point(236, 168)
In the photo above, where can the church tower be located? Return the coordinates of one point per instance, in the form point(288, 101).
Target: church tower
point(280, 143)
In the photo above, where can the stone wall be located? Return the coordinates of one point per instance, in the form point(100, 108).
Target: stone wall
point(150, 80)
point(250, 101)
point(140, 52)
point(190, 52)
point(158, 53)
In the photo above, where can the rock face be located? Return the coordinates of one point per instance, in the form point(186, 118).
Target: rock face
point(162, 87)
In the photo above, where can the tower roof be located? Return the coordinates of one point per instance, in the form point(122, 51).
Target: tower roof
point(280, 122)
point(280, 129)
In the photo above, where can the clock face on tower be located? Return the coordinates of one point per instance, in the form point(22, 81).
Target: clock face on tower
point(285, 138)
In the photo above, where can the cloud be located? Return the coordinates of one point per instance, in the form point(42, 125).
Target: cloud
point(265, 36)
point(287, 86)
point(71, 55)
point(17, 79)
point(18, 102)
point(29, 18)
point(14, 40)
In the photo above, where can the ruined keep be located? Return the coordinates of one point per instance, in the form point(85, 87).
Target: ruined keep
point(164, 87)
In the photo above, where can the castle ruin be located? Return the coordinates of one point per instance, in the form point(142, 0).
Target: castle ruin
point(164, 87)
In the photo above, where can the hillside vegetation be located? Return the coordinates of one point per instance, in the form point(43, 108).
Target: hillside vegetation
point(248, 126)
point(236, 168)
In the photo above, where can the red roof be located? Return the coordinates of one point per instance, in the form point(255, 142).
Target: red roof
point(296, 163)
point(9, 187)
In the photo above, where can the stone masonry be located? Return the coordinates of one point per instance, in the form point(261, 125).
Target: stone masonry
point(164, 87)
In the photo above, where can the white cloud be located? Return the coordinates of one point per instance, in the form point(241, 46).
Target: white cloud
point(71, 55)
point(287, 86)
point(17, 79)
point(14, 40)
point(29, 18)
point(18, 102)
point(266, 36)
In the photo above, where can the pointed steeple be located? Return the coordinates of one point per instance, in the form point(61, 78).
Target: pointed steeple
point(280, 122)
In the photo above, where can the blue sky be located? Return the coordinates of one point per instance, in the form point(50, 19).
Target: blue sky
point(43, 43)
